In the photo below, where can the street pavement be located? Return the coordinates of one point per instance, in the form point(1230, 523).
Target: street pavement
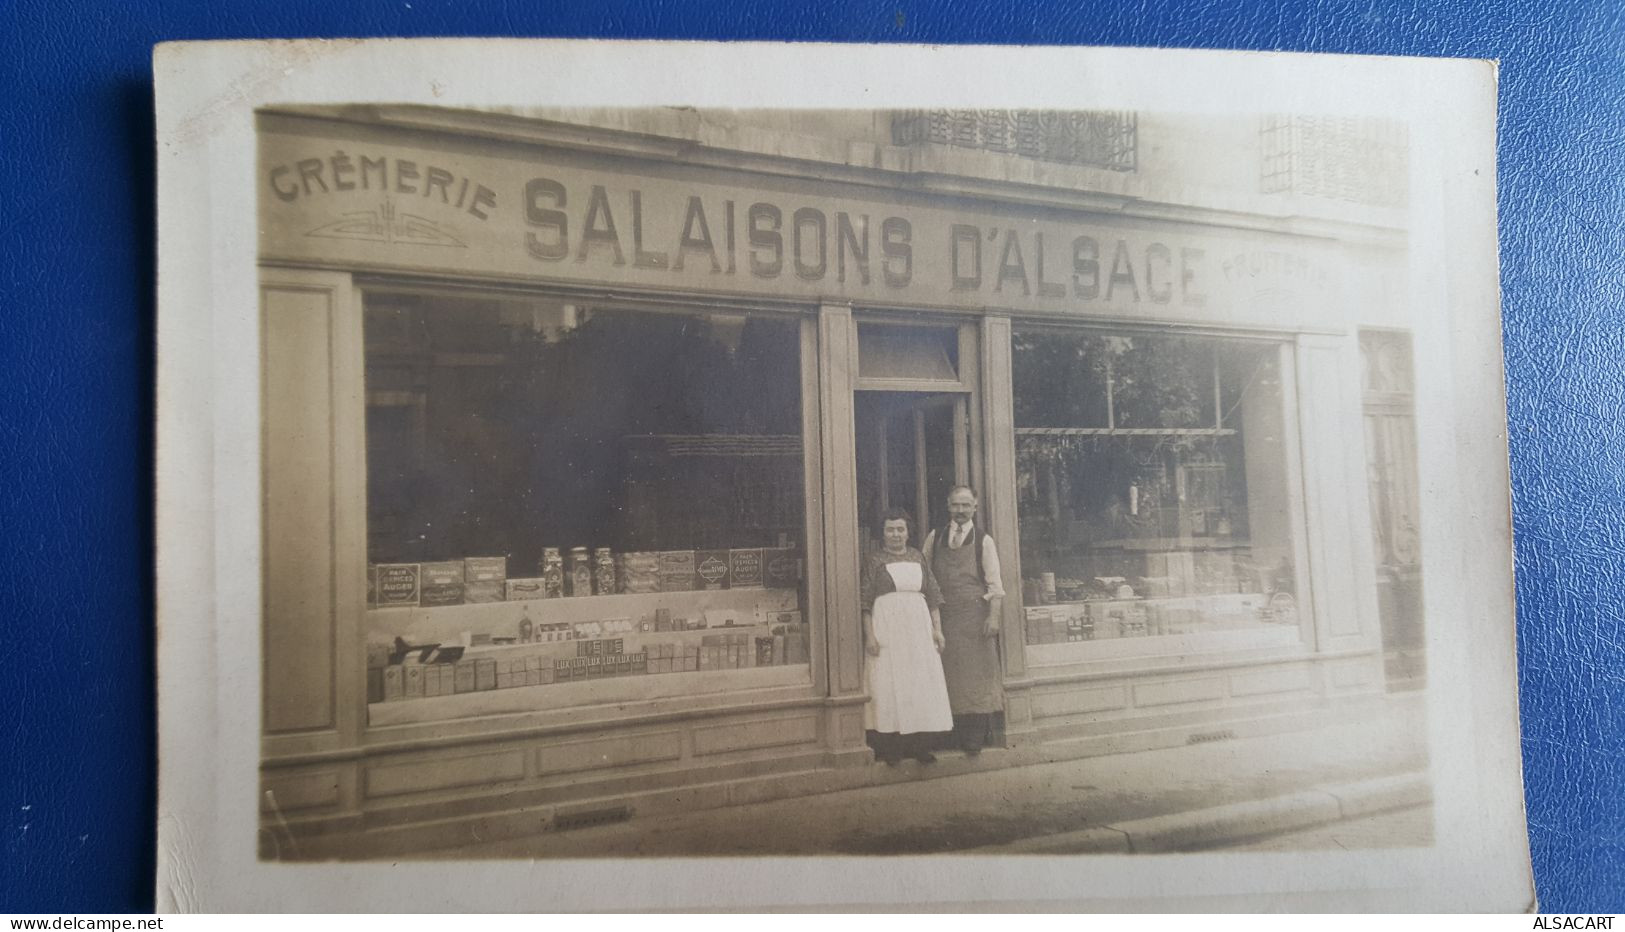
point(1405, 828)
point(1005, 808)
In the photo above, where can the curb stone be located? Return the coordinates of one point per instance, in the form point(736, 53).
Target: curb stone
point(1202, 828)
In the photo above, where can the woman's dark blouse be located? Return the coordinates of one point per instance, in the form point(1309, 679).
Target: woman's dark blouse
point(878, 582)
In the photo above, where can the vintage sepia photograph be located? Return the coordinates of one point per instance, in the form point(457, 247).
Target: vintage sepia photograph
point(706, 480)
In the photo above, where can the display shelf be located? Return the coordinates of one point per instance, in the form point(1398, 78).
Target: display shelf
point(620, 689)
point(445, 624)
point(1165, 648)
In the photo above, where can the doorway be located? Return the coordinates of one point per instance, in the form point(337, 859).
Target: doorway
point(912, 448)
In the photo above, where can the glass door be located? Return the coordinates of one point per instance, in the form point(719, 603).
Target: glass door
point(912, 448)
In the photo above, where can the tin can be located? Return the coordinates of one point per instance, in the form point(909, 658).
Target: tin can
point(552, 573)
point(579, 575)
point(604, 571)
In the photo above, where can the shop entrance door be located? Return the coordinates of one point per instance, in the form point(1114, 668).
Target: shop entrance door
point(912, 448)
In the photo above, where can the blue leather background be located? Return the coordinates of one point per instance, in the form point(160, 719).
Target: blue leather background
point(76, 360)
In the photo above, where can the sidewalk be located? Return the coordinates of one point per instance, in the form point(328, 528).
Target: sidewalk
point(1176, 799)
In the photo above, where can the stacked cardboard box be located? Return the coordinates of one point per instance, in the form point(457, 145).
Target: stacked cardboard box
point(485, 579)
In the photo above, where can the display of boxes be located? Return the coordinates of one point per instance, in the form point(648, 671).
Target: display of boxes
point(677, 571)
point(438, 680)
point(745, 568)
point(527, 587)
point(441, 583)
point(640, 571)
point(394, 683)
point(711, 569)
point(781, 569)
point(485, 579)
point(396, 584)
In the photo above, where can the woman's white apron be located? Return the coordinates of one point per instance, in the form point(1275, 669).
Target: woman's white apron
point(907, 692)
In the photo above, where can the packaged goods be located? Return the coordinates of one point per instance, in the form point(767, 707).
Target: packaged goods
point(677, 570)
point(640, 572)
point(563, 670)
point(397, 584)
point(1037, 621)
point(485, 675)
point(781, 569)
point(463, 677)
point(663, 619)
point(377, 656)
point(433, 685)
point(1134, 621)
point(552, 570)
point(485, 579)
point(784, 618)
point(527, 587)
point(414, 682)
point(711, 569)
point(394, 683)
point(442, 583)
point(764, 652)
point(578, 573)
point(745, 568)
point(603, 571)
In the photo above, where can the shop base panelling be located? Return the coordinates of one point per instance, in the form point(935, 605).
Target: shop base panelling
point(435, 788)
point(313, 789)
point(1063, 706)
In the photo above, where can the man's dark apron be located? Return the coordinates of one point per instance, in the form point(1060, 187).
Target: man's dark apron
point(970, 661)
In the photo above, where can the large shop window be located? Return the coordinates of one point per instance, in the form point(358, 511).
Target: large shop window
point(1153, 493)
point(570, 504)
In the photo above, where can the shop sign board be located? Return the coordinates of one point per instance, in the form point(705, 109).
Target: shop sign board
point(376, 199)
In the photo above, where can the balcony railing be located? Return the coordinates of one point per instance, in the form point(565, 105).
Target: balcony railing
point(1102, 139)
point(1360, 160)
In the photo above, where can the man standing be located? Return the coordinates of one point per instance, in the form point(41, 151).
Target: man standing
point(966, 564)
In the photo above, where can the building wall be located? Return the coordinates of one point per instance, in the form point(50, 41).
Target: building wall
point(337, 778)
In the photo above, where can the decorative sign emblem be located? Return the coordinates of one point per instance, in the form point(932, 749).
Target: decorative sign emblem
point(713, 569)
point(387, 224)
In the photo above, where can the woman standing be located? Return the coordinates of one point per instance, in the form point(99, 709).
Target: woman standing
point(902, 633)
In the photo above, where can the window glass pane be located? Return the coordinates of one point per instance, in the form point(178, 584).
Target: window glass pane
point(556, 478)
point(900, 352)
point(1151, 486)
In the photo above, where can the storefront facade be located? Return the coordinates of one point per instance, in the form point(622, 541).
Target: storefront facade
point(576, 427)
